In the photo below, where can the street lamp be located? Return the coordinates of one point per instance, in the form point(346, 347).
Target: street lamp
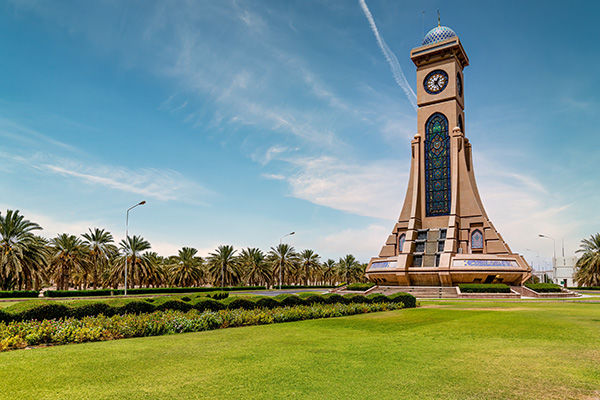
point(553, 253)
point(141, 203)
point(554, 243)
point(280, 260)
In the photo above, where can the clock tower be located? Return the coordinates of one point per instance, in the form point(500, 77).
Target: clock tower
point(443, 235)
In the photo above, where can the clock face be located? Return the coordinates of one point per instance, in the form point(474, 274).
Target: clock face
point(459, 84)
point(435, 81)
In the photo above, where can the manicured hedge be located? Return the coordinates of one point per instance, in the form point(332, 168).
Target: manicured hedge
point(18, 293)
point(110, 292)
point(544, 287)
point(41, 310)
point(360, 286)
point(218, 295)
point(484, 288)
point(407, 299)
point(585, 288)
point(378, 298)
point(355, 298)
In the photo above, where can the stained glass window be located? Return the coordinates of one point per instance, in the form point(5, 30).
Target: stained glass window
point(401, 242)
point(437, 166)
point(476, 239)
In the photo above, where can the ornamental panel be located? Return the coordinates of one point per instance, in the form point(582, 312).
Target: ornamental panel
point(437, 166)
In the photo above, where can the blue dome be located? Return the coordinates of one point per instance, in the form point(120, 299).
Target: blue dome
point(438, 34)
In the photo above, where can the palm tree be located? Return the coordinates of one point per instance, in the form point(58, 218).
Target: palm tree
point(100, 248)
point(588, 266)
point(284, 260)
point(348, 265)
point(156, 272)
point(256, 270)
point(140, 264)
point(223, 263)
point(68, 260)
point(329, 273)
point(186, 268)
point(22, 254)
point(310, 262)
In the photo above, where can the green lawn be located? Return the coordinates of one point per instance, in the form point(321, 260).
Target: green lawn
point(443, 350)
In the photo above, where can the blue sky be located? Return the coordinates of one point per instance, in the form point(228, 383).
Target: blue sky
point(239, 121)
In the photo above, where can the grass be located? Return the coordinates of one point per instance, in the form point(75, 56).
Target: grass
point(4, 304)
point(445, 349)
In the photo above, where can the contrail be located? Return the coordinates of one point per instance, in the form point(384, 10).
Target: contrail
point(390, 57)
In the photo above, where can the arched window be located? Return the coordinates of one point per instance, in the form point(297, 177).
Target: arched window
point(437, 166)
point(401, 240)
point(460, 124)
point(476, 240)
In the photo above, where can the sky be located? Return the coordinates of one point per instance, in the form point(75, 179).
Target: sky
point(241, 121)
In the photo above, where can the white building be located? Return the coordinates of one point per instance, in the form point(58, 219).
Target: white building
point(563, 270)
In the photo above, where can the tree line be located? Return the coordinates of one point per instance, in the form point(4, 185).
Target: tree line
point(94, 260)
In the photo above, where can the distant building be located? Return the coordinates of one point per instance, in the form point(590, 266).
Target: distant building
point(563, 270)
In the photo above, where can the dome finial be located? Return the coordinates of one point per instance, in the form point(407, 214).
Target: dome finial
point(439, 23)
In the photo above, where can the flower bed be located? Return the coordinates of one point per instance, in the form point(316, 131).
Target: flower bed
point(21, 334)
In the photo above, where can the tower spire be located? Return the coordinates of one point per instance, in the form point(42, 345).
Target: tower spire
point(439, 24)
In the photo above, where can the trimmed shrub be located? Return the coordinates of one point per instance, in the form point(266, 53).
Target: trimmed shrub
point(135, 307)
point(19, 293)
point(408, 300)
point(4, 316)
point(544, 287)
point(333, 298)
point(173, 304)
point(360, 287)
point(356, 298)
point(149, 300)
point(313, 298)
point(218, 295)
point(378, 298)
point(79, 293)
point(239, 302)
point(207, 304)
point(287, 299)
point(484, 288)
point(43, 310)
point(185, 298)
point(585, 288)
point(91, 309)
point(266, 302)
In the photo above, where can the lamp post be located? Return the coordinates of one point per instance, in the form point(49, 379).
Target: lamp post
point(280, 259)
point(553, 253)
point(141, 203)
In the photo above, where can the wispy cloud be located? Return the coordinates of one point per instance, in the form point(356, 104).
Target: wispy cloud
point(16, 131)
point(164, 185)
point(160, 184)
point(373, 189)
point(391, 58)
